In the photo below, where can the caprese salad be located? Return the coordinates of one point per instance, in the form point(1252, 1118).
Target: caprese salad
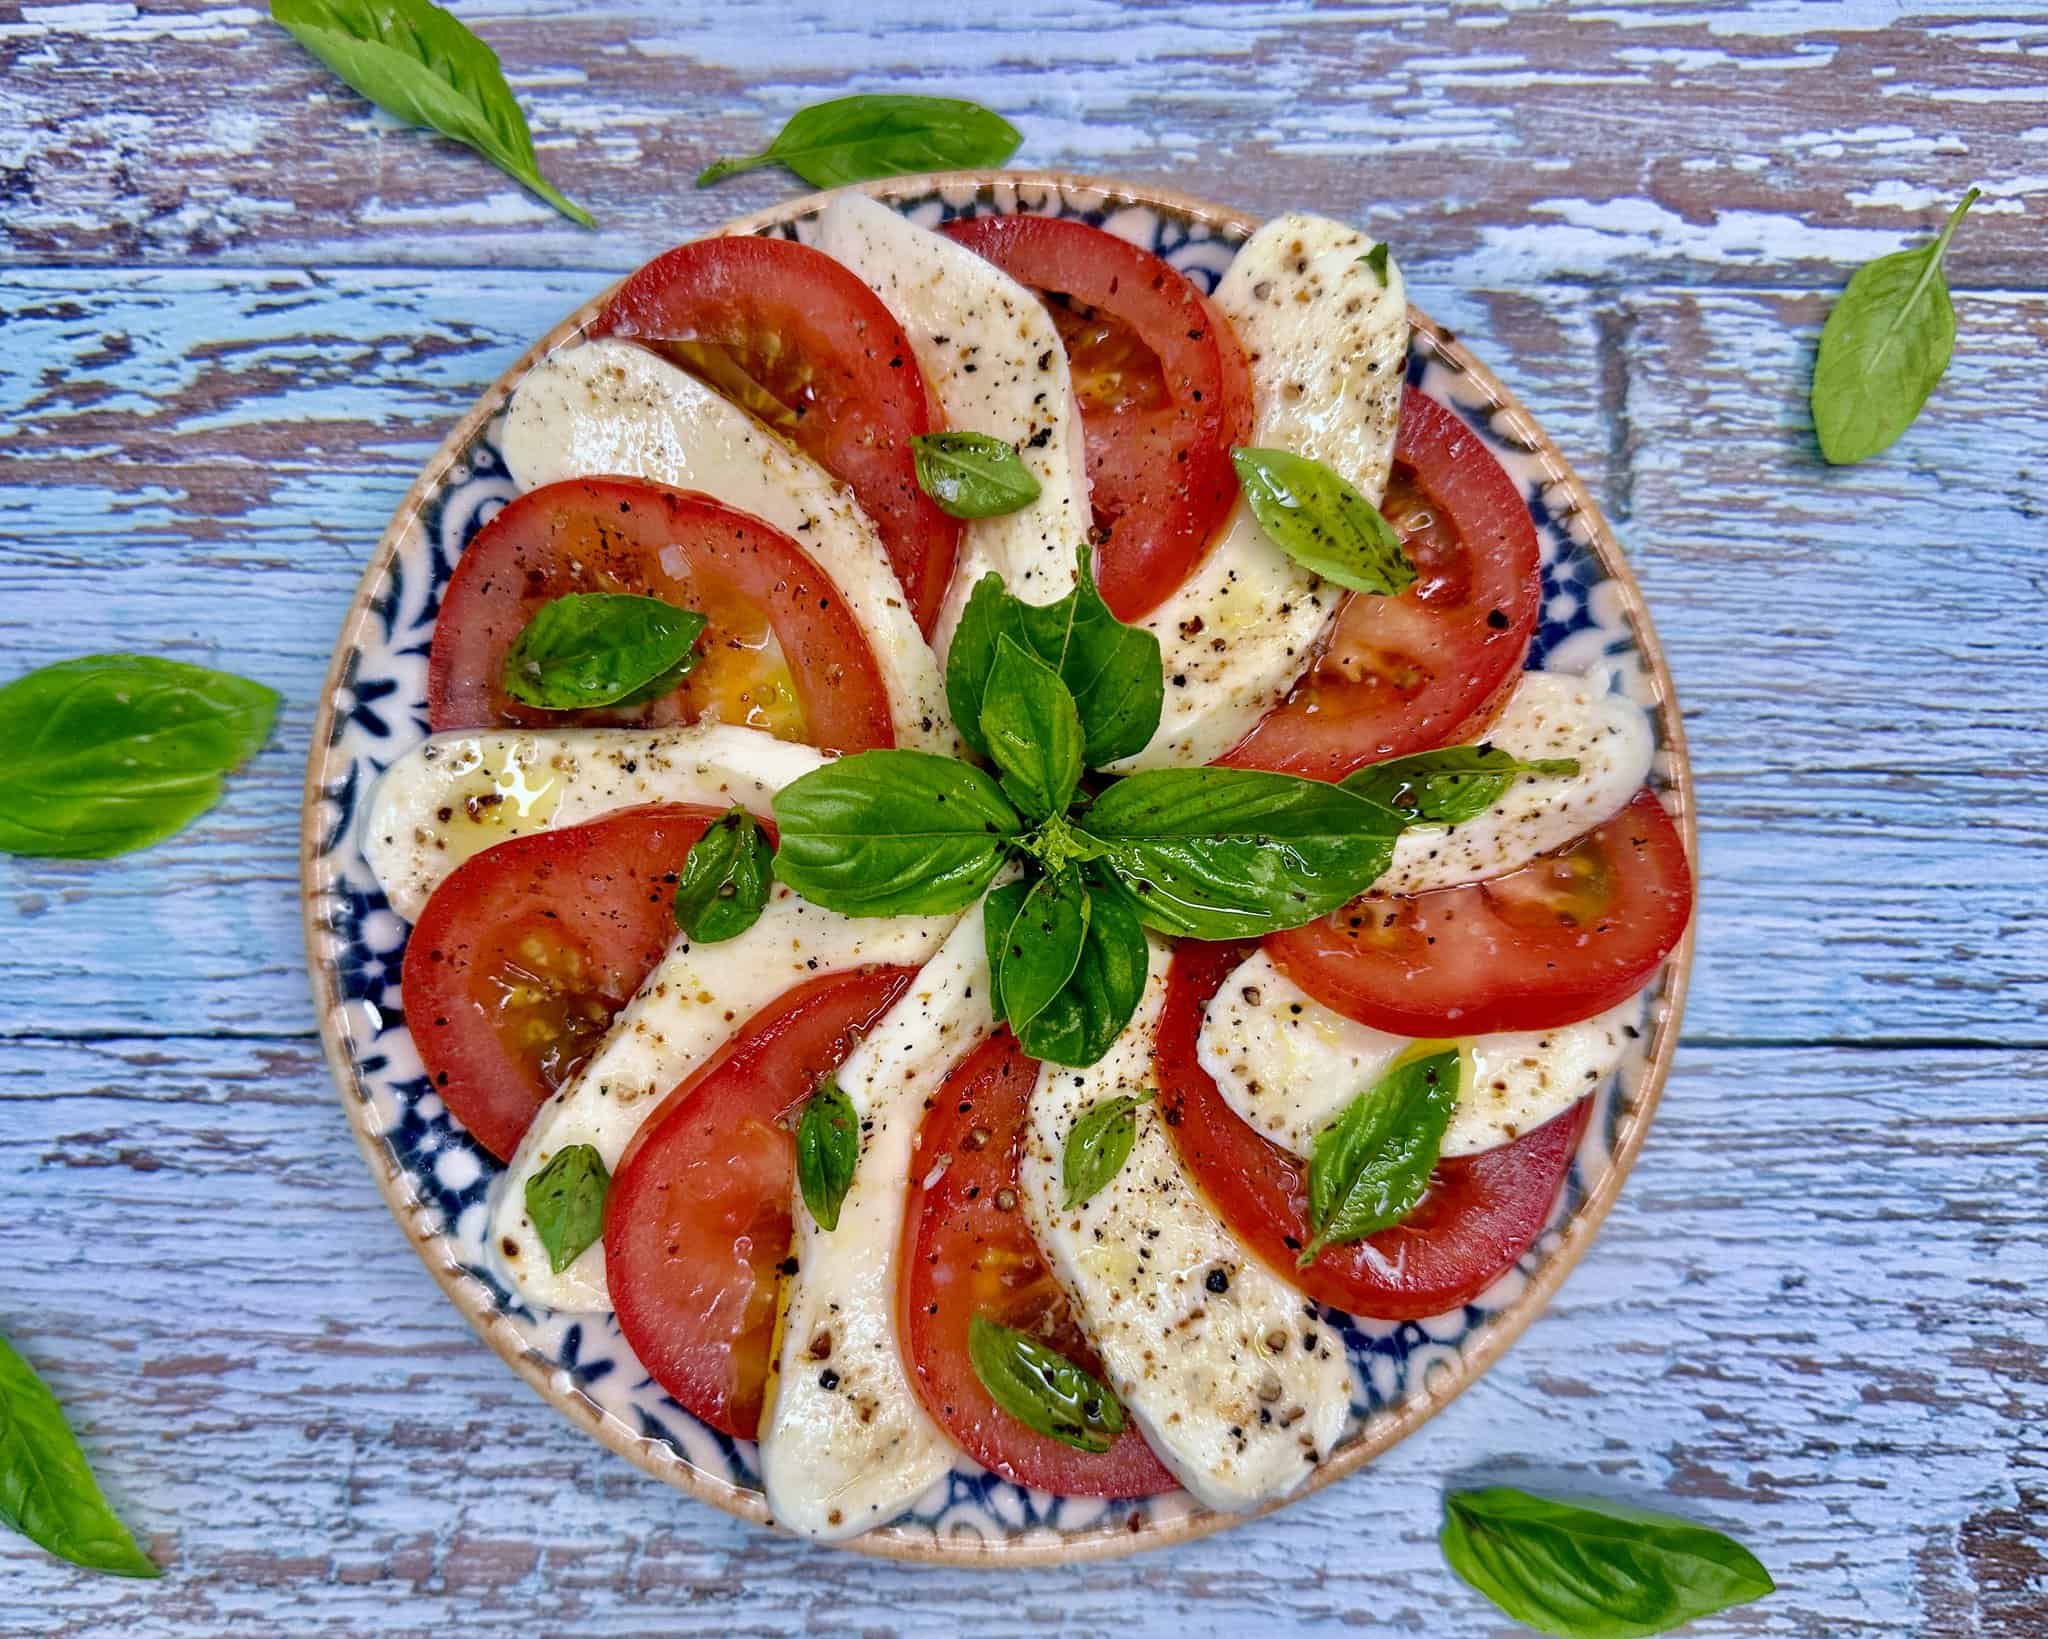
point(987, 846)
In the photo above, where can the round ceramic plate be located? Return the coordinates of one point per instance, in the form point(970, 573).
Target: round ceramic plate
point(437, 1180)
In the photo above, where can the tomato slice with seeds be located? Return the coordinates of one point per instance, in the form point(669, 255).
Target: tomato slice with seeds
point(1480, 1214)
point(697, 1227)
point(1566, 936)
point(525, 954)
point(1164, 389)
point(793, 336)
point(1430, 667)
point(967, 1250)
point(782, 651)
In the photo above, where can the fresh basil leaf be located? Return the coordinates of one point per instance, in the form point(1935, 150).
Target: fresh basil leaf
point(1369, 1167)
point(1233, 853)
point(1112, 670)
point(1098, 1145)
point(116, 751)
point(1056, 844)
point(1042, 1388)
point(565, 1203)
point(827, 1150)
point(998, 913)
point(1599, 1572)
point(1884, 347)
point(416, 60)
point(1450, 785)
point(856, 139)
point(1087, 1014)
point(1032, 730)
point(1376, 259)
point(47, 1491)
point(725, 880)
point(1322, 522)
point(893, 833)
point(971, 475)
point(1040, 947)
point(590, 649)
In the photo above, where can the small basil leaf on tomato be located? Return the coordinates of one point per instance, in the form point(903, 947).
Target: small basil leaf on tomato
point(827, 1150)
point(1229, 853)
point(565, 1203)
point(1452, 784)
point(998, 911)
point(1594, 1571)
point(47, 1489)
point(1085, 1016)
point(1098, 1145)
point(1885, 346)
point(1321, 522)
point(1032, 731)
point(113, 752)
point(1368, 1169)
point(893, 833)
point(1042, 1388)
point(725, 879)
point(589, 649)
point(971, 475)
point(1042, 946)
point(856, 139)
point(1376, 259)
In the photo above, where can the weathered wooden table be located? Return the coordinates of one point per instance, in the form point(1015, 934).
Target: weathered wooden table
point(239, 309)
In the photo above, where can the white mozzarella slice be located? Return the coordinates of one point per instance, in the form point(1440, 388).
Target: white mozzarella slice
point(457, 794)
point(846, 1445)
point(687, 1008)
point(1240, 1390)
point(612, 408)
point(1548, 715)
point(1287, 1064)
point(1328, 344)
point(991, 353)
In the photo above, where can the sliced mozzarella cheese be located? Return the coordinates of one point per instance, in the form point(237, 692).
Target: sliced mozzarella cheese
point(846, 1445)
point(1231, 1378)
point(1287, 1064)
point(990, 351)
point(695, 998)
point(1548, 715)
point(1328, 344)
point(611, 408)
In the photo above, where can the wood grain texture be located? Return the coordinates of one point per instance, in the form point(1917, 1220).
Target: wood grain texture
point(231, 326)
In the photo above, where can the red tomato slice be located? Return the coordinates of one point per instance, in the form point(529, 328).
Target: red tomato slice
point(525, 954)
point(1480, 1214)
point(782, 651)
point(1164, 388)
point(1396, 675)
point(967, 1250)
point(697, 1226)
point(798, 339)
point(1563, 938)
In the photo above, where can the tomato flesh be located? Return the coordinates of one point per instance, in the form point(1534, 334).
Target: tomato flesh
point(967, 1250)
point(525, 954)
point(1408, 673)
point(1480, 1214)
point(1164, 389)
point(698, 1223)
point(1563, 938)
point(797, 338)
point(782, 651)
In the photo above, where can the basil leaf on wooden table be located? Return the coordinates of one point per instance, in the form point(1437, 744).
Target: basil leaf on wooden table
point(1884, 347)
point(1233, 853)
point(1322, 523)
point(1032, 730)
point(116, 751)
point(893, 833)
point(971, 475)
point(1042, 1388)
point(1097, 1147)
point(855, 139)
point(47, 1490)
point(565, 1203)
point(1080, 1020)
point(588, 649)
point(1594, 1572)
point(1450, 785)
point(1038, 950)
point(725, 879)
point(827, 1151)
point(416, 60)
point(1370, 1166)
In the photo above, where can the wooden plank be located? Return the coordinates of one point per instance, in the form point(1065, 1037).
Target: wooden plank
point(1812, 1320)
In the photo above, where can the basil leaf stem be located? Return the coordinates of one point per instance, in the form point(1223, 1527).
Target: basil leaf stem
point(565, 1203)
point(47, 1489)
point(1450, 785)
point(1097, 1147)
point(827, 1151)
point(855, 139)
point(589, 649)
point(1033, 731)
point(725, 880)
point(971, 475)
point(1321, 522)
point(1369, 1167)
point(1042, 1388)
